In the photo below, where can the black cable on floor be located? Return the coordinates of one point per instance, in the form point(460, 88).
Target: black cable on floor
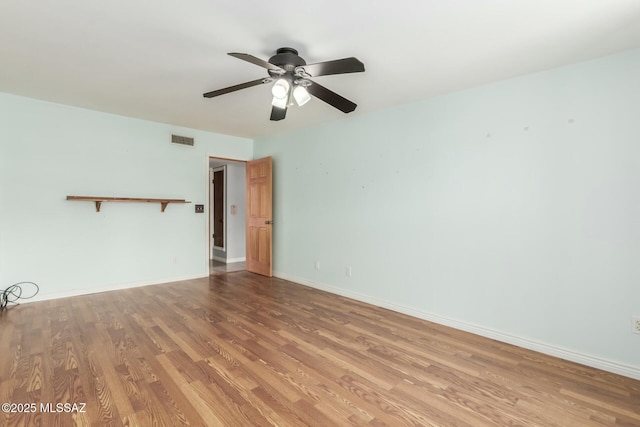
point(14, 293)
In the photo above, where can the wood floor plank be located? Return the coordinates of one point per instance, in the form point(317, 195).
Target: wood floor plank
point(242, 349)
point(172, 383)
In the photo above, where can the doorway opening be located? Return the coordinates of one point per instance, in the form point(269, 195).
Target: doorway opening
point(227, 215)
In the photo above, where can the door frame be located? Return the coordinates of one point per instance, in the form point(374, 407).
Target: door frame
point(207, 210)
point(222, 168)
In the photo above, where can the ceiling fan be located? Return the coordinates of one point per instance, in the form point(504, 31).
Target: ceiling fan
point(292, 76)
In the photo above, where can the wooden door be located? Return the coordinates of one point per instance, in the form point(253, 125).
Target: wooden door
point(218, 208)
point(259, 220)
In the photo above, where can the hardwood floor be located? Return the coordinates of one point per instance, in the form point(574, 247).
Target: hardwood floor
point(244, 350)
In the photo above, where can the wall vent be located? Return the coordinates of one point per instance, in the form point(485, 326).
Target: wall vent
point(184, 140)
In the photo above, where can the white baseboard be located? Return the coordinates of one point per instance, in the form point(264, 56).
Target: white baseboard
point(551, 350)
point(228, 260)
point(115, 287)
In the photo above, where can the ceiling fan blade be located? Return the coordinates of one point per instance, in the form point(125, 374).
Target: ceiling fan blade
point(237, 87)
point(257, 61)
point(331, 98)
point(338, 66)
point(278, 113)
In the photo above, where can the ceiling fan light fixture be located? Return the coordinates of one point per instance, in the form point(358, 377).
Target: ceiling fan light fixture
point(301, 95)
point(280, 89)
point(290, 76)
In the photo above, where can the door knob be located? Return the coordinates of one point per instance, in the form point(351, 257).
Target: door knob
point(268, 222)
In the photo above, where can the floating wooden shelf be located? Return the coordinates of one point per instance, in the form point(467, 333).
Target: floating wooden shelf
point(98, 200)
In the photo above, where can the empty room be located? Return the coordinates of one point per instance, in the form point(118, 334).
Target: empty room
point(318, 214)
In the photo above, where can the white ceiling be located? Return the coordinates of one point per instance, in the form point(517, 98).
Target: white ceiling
point(153, 59)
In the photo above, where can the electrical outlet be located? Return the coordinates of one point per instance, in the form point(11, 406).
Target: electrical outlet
point(635, 324)
point(348, 271)
point(317, 265)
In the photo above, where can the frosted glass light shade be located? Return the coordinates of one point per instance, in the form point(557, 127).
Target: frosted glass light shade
point(301, 95)
point(279, 102)
point(280, 89)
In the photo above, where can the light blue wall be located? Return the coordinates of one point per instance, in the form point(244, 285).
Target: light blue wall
point(49, 151)
point(514, 207)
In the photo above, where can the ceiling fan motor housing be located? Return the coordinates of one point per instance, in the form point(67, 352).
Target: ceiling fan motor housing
point(286, 58)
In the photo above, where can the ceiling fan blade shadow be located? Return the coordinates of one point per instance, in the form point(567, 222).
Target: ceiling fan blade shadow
point(338, 66)
point(278, 113)
point(331, 98)
point(256, 61)
point(237, 87)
